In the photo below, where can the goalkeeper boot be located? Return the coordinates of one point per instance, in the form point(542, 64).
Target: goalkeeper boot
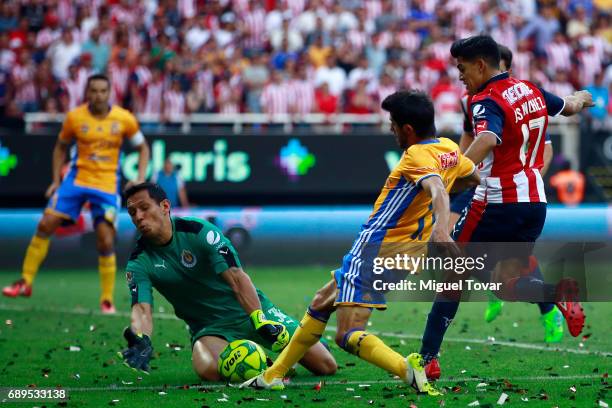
point(553, 325)
point(415, 376)
point(18, 288)
point(433, 370)
point(259, 383)
point(567, 302)
point(494, 308)
point(107, 307)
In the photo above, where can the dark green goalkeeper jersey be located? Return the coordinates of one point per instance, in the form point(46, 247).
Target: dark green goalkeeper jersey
point(187, 272)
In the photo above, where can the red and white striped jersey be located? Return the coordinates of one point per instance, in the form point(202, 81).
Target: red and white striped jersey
point(23, 80)
point(153, 99)
point(373, 9)
point(119, 76)
point(410, 40)
point(520, 64)
point(275, 98)
point(74, 89)
point(255, 27)
point(174, 105)
point(589, 66)
point(517, 113)
point(382, 91)
point(301, 96)
point(559, 56)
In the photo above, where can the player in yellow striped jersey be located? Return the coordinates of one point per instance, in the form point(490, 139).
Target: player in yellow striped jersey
point(96, 131)
point(411, 210)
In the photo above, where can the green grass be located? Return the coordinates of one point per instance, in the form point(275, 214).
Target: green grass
point(34, 349)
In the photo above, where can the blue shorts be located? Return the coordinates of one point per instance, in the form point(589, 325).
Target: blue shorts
point(69, 199)
point(354, 281)
point(461, 200)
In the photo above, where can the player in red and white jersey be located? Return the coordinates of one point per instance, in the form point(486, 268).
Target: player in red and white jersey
point(509, 118)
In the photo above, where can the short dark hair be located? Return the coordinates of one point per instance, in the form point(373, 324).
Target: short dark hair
point(97, 77)
point(155, 191)
point(506, 55)
point(478, 46)
point(414, 108)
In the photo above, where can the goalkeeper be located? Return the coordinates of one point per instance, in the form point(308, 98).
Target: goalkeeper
point(197, 270)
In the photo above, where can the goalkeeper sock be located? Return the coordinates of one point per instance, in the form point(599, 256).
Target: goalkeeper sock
point(107, 267)
point(307, 335)
point(370, 348)
point(35, 255)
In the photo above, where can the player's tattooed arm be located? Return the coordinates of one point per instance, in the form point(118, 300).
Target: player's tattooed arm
point(576, 102)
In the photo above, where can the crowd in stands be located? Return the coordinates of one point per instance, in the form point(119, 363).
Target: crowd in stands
point(171, 57)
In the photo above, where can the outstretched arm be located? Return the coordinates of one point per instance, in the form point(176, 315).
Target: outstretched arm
point(576, 102)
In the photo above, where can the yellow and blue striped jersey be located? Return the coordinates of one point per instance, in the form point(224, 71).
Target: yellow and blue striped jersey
point(403, 211)
point(95, 155)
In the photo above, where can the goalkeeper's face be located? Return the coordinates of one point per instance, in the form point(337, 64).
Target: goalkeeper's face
point(152, 219)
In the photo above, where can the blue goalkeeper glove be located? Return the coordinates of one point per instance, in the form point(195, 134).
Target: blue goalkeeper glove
point(139, 351)
point(273, 332)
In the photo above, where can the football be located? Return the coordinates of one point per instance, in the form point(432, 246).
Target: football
point(241, 360)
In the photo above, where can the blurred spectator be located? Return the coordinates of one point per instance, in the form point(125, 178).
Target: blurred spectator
point(51, 106)
point(578, 24)
point(19, 35)
point(319, 52)
point(197, 33)
point(601, 98)
point(5, 89)
point(119, 75)
point(100, 52)
point(276, 95)
point(325, 102)
point(560, 85)
point(161, 51)
point(72, 88)
point(359, 101)
point(22, 77)
point(253, 26)
point(376, 54)
point(171, 182)
point(280, 57)
point(228, 94)
point(62, 53)
point(559, 53)
point(569, 185)
point(174, 103)
point(385, 87)
point(302, 92)
point(154, 92)
point(8, 16)
point(362, 71)
point(286, 38)
point(332, 75)
point(255, 77)
point(542, 27)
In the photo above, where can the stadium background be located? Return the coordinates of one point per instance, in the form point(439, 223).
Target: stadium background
point(271, 109)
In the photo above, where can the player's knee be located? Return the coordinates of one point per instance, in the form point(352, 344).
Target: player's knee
point(105, 244)
point(207, 373)
point(326, 365)
point(46, 226)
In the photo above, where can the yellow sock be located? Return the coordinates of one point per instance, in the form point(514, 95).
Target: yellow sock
point(35, 255)
point(373, 350)
point(107, 267)
point(307, 335)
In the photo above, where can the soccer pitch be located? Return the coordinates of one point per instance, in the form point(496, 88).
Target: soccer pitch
point(58, 338)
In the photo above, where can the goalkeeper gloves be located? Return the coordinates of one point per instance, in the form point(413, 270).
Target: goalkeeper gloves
point(139, 351)
point(273, 332)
